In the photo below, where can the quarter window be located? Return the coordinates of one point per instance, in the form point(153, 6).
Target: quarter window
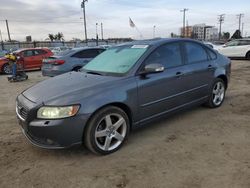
point(168, 55)
point(195, 53)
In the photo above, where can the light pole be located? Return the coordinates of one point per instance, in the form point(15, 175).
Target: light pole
point(96, 31)
point(154, 31)
point(84, 18)
point(102, 30)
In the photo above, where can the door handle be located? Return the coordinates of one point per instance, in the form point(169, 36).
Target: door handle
point(210, 67)
point(179, 74)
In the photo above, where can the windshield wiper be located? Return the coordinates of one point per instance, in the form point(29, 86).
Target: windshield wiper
point(92, 72)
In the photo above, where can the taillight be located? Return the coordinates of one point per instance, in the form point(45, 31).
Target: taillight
point(58, 62)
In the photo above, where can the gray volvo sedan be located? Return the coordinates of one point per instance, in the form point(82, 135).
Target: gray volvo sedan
point(124, 87)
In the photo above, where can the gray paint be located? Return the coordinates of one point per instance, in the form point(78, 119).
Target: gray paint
point(147, 97)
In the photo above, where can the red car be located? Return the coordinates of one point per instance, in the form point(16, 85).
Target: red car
point(31, 58)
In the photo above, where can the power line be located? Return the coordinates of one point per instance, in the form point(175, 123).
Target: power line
point(221, 20)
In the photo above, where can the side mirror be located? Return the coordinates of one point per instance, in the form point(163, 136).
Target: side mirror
point(153, 68)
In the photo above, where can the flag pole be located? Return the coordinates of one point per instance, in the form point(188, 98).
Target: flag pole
point(132, 24)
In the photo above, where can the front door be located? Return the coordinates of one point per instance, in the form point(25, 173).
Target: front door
point(163, 92)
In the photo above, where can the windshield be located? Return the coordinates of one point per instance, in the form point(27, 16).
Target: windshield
point(118, 60)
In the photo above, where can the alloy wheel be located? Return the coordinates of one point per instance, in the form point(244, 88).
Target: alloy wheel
point(218, 93)
point(110, 132)
point(6, 69)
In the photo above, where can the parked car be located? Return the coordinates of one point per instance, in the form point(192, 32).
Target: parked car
point(57, 50)
point(124, 87)
point(30, 57)
point(2, 53)
point(69, 60)
point(236, 48)
point(210, 44)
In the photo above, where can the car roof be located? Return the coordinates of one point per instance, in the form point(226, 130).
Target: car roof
point(23, 49)
point(86, 48)
point(157, 41)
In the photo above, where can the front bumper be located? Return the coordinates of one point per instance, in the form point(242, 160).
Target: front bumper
point(51, 134)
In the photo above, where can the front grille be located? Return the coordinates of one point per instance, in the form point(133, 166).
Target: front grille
point(22, 110)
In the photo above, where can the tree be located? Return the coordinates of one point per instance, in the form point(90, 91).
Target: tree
point(237, 35)
point(59, 36)
point(226, 35)
point(51, 37)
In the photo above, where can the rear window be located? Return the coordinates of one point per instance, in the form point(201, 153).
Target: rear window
point(66, 52)
point(87, 53)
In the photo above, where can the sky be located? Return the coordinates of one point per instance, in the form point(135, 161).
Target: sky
point(38, 18)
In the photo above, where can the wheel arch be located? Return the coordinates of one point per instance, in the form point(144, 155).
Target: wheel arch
point(120, 105)
point(248, 54)
point(224, 78)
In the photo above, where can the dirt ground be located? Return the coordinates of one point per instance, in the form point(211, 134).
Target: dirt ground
point(198, 148)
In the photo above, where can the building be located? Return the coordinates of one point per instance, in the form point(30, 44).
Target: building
point(199, 31)
point(205, 32)
point(212, 34)
point(188, 32)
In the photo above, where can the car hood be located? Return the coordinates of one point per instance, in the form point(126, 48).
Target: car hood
point(66, 87)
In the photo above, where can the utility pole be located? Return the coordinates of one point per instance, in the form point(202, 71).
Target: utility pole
point(96, 31)
point(7, 26)
point(154, 31)
point(184, 21)
point(239, 16)
point(221, 21)
point(102, 30)
point(84, 18)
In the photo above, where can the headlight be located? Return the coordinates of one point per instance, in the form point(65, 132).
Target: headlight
point(48, 112)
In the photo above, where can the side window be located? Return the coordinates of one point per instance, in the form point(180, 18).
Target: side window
point(28, 53)
point(232, 43)
point(101, 50)
point(168, 55)
point(211, 54)
point(244, 42)
point(195, 53)
point(91, 53)
point(39, 52)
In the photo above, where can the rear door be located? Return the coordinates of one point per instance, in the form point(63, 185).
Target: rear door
point(39, 55)
point(200, 67)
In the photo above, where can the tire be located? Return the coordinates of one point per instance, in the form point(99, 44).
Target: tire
point(107, 130)
point(248, 55)
point(6, 69)
point(217, 93)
